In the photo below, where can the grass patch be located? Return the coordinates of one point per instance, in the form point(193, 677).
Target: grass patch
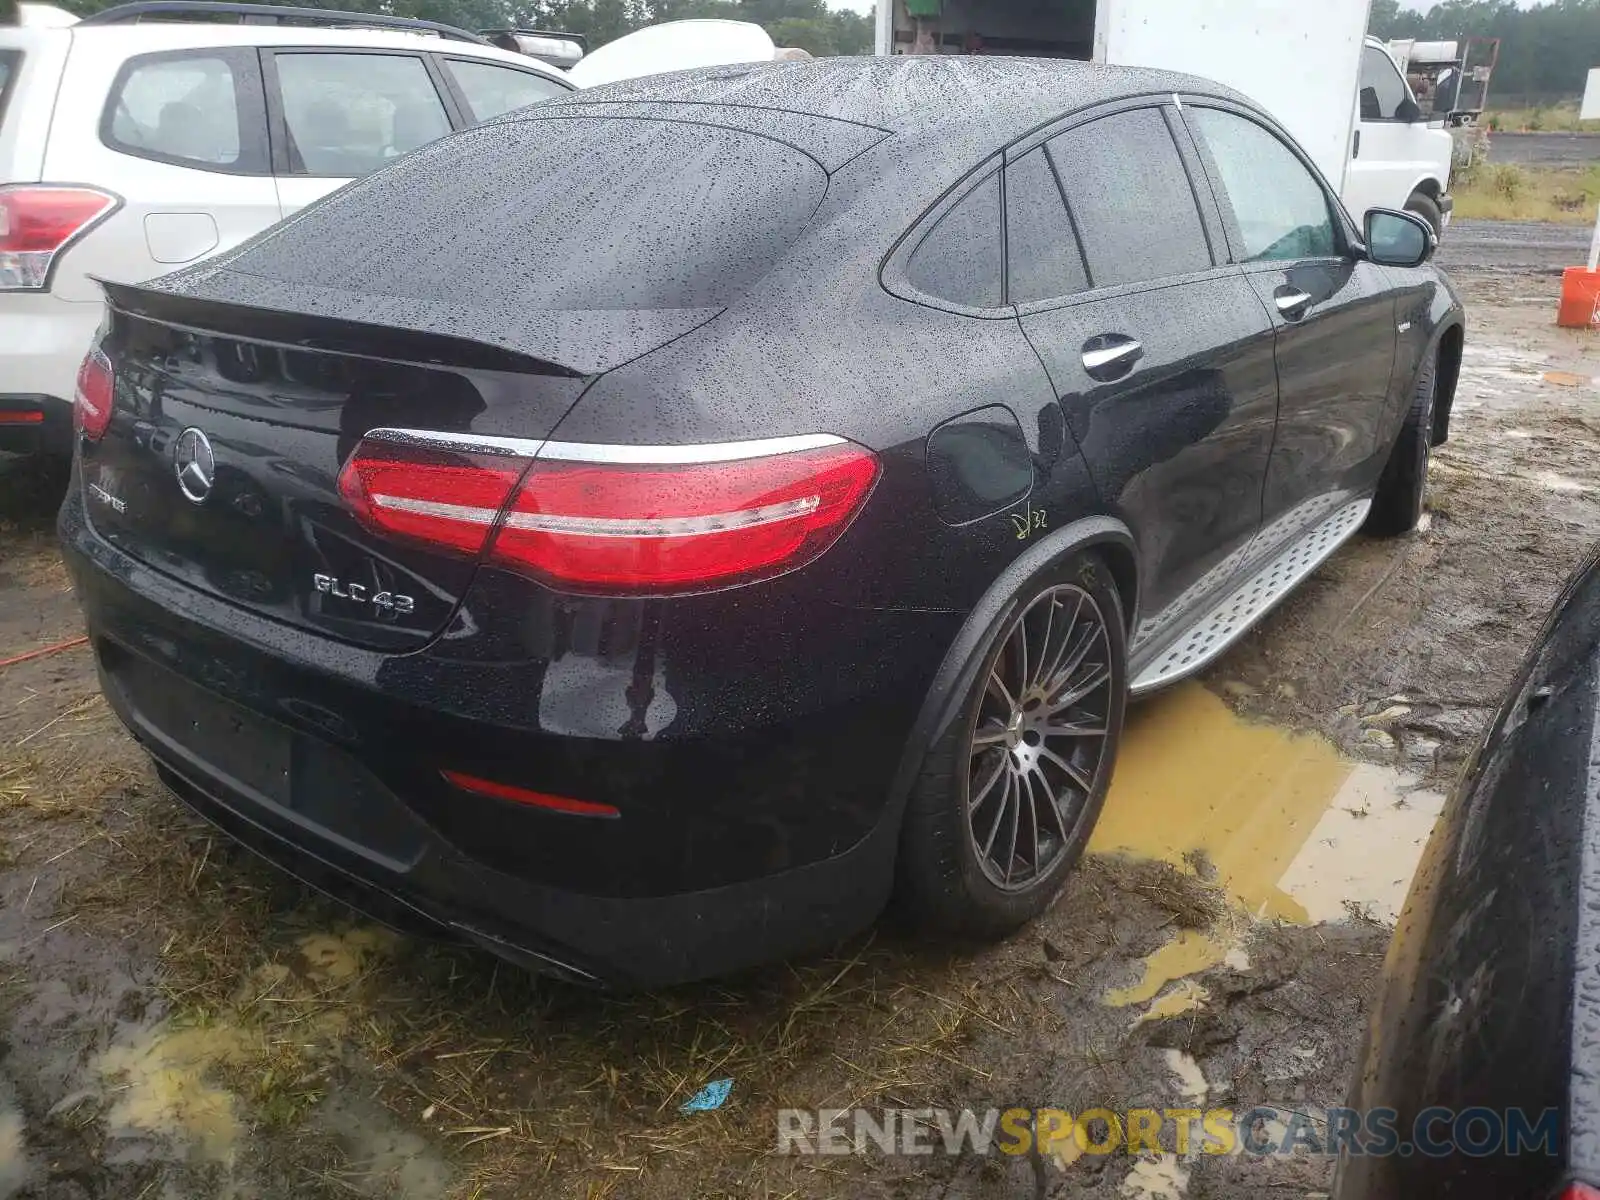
point(1507, 192)
point(1552, 118)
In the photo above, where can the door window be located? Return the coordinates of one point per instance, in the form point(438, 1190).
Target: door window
point(1042, 256)
point(348, 114)
point(1131, 198)
point(1382, 89)
point(491, 90)
point(960, 259)
point(181, 108)
point(1279, 207)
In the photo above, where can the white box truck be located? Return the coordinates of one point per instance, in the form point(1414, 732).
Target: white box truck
point(1312, 66)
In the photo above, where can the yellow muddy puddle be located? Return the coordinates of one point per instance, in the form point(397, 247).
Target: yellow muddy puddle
point(162, 1082)
point(1293, 830)
point(341, 956)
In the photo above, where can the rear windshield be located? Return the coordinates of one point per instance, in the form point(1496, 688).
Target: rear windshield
point(577, 213)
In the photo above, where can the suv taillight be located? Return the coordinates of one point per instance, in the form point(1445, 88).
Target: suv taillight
point(37, 222)
point(615, 519)
point(91, 406)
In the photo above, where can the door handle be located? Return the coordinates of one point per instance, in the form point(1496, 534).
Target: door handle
point(1356, 152)
point(1292, 302)
point(1110, 356)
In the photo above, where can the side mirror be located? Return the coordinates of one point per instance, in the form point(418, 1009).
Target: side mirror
point(1408, 111)
point(1398, 239)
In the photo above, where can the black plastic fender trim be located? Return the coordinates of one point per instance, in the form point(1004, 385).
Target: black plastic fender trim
point(961, 661)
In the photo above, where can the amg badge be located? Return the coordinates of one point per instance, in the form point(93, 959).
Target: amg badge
point(361, 594)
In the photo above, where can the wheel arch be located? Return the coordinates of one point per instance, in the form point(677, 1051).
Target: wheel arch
point(1106, 536)
point(1447, 353)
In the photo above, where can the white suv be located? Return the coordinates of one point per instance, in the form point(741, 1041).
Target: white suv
point(130, 147)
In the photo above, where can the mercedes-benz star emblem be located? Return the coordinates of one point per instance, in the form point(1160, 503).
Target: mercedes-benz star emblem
point(195, 465)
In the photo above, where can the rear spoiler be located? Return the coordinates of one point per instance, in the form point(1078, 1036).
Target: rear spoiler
point(302, 331)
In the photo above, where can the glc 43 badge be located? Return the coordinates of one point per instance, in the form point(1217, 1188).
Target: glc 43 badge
point(359, 593)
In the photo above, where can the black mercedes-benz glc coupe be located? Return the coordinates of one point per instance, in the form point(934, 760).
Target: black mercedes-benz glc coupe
point(641, 534)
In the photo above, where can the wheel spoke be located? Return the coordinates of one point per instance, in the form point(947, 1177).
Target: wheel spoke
point(1022, 652)
point(993, 736)
point(1016, 821)
point(1071, 659)
point(997, 684)
point(1066, 640)
point(1073, 773)
point(1072, 729)
point(982, 793)
point(1055, 809)
point(1033, 818)
point(1049, 628)
point(1097, 680)
point(999, 815)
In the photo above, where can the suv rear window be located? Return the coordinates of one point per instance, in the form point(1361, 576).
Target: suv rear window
point(565, 214)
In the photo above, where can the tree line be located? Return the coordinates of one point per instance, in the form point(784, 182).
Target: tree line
point(1544, 50)
point(809, 24)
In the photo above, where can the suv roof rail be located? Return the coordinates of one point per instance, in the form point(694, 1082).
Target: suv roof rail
point(270, 14)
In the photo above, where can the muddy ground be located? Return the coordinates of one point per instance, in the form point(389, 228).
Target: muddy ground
point(181, 1021)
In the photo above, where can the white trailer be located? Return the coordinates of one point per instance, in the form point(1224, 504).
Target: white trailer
point(1310, 65)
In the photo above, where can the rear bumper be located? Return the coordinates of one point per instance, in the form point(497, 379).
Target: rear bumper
point(738, 843)
point(626, 943)
point(34, 424)
point(42, 343)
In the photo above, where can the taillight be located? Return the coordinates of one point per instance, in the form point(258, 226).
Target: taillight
point(37, 222)
point(619, 519)
point(91, 405)
point(434, 492)
point(1580, 1191)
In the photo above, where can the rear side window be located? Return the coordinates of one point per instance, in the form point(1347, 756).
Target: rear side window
point(959, 259)
point(491, 90)
point(10, 65)
point(1279, 207)
point(558, 214)
point(1130, 194)
point(181, 108)
point(349, 114)
point(1042, 257)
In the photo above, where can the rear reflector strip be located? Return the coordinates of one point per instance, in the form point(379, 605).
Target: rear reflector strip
point(664, 527)
point(20, 418)
point(504, 791)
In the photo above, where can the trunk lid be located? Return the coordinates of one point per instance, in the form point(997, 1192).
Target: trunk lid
point(228, 432)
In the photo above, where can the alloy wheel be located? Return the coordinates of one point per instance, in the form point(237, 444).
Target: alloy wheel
point(1038, 738)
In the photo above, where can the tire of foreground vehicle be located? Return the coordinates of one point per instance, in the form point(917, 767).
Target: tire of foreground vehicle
point(1009, 793)
point(1402, 488)
point(1426, 207)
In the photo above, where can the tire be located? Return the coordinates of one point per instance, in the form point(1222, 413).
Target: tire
point(1426, 207)
point(946, 883)
point(1402, 488)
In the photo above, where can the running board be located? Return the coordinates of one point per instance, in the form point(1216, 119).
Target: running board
point(1229, 620)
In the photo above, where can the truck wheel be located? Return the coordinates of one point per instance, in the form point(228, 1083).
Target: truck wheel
point(1397, 507)
point(1427, 208)
point(1010, 791)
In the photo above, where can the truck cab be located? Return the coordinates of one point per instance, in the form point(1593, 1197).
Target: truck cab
point(1312, 66)
point(1398, 156)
